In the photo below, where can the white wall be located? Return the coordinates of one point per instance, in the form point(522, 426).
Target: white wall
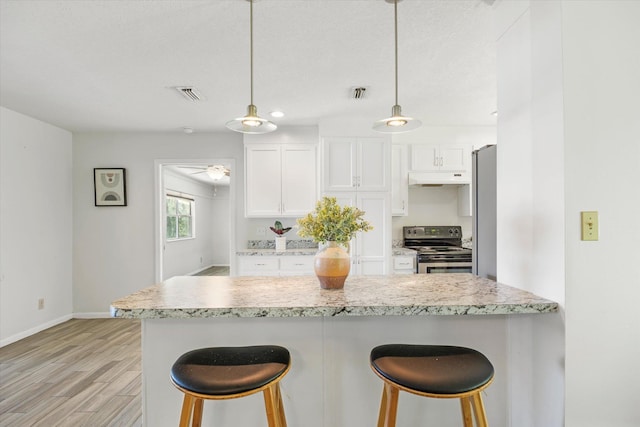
point(432, 206)
point(35, 225)
point(568, 133)
point(114, 248)
point(184, 257)
point(221, 230)
point(601, 64)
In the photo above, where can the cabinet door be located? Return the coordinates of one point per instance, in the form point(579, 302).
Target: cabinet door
point(424, 157)
point(373, 164)
point(373, 247)
point(370, 251)
point(299, 265)
point(399, 181)
point(263, 181)
point(455, 158)
point(299, 179)
point(339, 164)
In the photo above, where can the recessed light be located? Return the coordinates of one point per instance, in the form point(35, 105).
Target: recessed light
point(494, 113)
point(276, 114)
point(187, 130)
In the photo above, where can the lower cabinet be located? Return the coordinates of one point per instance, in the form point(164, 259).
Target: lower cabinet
point(294, 265)
point(404, 264)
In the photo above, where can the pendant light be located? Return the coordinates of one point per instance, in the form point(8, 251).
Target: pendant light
point(397, 123)
point(251, 123)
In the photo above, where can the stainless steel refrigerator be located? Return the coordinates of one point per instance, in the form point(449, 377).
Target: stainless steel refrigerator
point(483, 188)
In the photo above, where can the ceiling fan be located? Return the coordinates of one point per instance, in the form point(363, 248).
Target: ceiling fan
point(215, 172)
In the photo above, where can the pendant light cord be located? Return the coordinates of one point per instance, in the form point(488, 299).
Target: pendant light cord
point(251, 44)
point(395, 15)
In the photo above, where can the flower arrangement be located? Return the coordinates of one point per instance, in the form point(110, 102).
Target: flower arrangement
point(332, 222)
point(278, 229)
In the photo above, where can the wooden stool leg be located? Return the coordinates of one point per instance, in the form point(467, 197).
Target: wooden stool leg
point(283, 419)
point(197, 412)
point(388, 406)
point(187, 407)
point(478, 410)
point(270, 404)
point(465, 404)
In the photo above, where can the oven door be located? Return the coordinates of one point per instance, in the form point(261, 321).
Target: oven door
point(444, 267)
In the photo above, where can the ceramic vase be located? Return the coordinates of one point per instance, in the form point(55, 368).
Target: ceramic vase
point(281, 243)
point(331, 265)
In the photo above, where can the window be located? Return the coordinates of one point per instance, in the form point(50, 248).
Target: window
point(180, 221)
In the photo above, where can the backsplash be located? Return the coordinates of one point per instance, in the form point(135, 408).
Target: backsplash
point(291, 244)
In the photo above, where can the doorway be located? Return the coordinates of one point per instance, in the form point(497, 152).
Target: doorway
point(197, 237)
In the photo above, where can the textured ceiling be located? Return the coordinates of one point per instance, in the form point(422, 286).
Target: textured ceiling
point(110, 65)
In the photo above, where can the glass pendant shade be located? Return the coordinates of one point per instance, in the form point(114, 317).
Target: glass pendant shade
point(251, 123)
point(397, 123)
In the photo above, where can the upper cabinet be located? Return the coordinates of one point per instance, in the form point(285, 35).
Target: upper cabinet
point(356, 164)
point(441, 158)
point(399, 180)
point(280, 179)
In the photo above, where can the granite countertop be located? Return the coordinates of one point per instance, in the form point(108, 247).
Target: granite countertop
point(403, 251)
point(272, 252)
point(301, 296)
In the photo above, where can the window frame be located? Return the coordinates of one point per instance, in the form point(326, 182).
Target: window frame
point(179, 197)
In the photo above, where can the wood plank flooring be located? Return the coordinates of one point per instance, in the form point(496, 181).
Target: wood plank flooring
point(83, 372)
point(217, 270)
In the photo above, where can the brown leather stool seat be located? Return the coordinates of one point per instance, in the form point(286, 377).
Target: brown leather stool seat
point(231, 372)
point(432, 371)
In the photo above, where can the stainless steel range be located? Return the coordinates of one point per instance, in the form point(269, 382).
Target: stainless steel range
point(439, 249)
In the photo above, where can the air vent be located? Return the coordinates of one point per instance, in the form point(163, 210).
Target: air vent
point(358, 92)
point(190, 93)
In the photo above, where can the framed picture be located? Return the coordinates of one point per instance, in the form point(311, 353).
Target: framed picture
point(109, 187)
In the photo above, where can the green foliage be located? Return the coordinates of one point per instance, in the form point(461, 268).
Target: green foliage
point(331, 222)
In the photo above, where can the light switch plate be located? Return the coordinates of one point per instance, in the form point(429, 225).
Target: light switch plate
point(589, 222)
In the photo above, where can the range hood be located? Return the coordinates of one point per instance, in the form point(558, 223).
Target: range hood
point(438, 178)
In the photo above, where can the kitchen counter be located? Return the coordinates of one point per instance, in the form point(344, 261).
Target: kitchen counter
point(329, 334)
point(272, 252)
point(301, 296)
point(398, 251)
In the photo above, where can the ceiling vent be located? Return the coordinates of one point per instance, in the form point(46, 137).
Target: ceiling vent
point(358, 92)
point(190, 92)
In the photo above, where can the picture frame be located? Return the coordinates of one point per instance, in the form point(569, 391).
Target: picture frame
point(109, 185)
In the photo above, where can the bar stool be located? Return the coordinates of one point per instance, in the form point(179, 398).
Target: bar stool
point(432, 371)
point(219, 373)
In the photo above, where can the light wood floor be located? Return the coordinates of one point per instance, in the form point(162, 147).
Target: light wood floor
point(84, 372)
point(217, 270)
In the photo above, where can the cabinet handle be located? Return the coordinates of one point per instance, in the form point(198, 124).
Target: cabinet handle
point(403, 205)
point(435, 161)
point(441, 161)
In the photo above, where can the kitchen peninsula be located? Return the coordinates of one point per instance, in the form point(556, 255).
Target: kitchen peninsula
point(329, 334)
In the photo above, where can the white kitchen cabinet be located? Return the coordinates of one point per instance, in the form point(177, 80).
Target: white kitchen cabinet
point(399, 180)
point(280, 180)
point(442, 157)
point(353, 163)
point(258, 266)
point(290, 265)
point(370, 251)
point(404, 264)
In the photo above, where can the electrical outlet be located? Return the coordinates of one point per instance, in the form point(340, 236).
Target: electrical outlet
point(261, 231)
point(589, 222)
point(41, 304)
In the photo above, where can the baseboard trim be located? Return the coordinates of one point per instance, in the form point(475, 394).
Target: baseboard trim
point(92, 315)
point(34, 330)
